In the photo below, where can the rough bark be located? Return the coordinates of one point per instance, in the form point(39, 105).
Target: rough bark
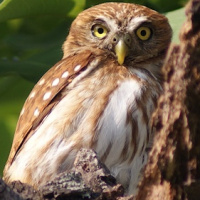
point(88, 179)
point(173, 169)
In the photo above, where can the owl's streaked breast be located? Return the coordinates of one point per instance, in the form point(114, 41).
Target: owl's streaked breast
point(105, 104)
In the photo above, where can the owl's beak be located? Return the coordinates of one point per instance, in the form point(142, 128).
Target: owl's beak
point(121, 50)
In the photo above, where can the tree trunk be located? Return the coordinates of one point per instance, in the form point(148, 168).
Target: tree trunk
point(173, 168)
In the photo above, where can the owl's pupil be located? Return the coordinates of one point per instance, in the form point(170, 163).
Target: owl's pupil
point(100, 30)
point(143, 33)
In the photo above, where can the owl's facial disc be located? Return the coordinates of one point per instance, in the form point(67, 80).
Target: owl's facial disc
point(121, 47)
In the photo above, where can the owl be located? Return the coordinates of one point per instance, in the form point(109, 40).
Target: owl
point(100, 96)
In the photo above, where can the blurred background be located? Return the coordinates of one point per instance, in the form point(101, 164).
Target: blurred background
point(31, 37)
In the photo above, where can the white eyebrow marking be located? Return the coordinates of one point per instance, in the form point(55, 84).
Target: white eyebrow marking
point(111, 22)
point(36, 112)
point(137, 21)
point(32, 94)
point(65, 74)
point(41, 82)
point(46, 95)
point(77, 68)
point(55, 82)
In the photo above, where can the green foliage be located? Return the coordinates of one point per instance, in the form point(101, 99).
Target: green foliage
point(176, 20)
point(31, 37)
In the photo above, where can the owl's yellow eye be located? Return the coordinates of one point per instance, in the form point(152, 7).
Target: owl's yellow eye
point(144, 33)
point(99, 31)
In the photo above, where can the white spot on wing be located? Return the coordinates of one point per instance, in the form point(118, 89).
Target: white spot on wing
point(92, 65)
point(55, 82)
point(41, 82)
point(46, 95)
point(32, 94)
point(65, 74)
point(22, 112)
point(77, 68)
point(36, 112)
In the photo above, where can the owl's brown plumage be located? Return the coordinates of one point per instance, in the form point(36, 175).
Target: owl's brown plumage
point(100, 95)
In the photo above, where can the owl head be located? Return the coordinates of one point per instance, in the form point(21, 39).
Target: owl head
point(128, 33)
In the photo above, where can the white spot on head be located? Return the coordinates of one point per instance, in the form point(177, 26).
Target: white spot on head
point(36, 112)
point(65, 74)
point(41, 82)
point(55, 82)
point(32, 94)
point(46, 95)
point(77, 68)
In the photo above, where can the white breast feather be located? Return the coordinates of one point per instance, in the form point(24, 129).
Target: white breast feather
point(112, 130)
